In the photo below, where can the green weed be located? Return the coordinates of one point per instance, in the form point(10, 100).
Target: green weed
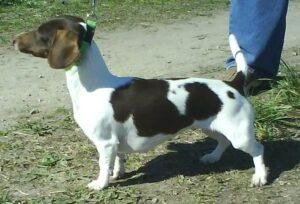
point(289, 88)
point(37, 127)
point(5, 197)
point(49, 159)
point(3, 132)
point(279, 108)
point(66, 120)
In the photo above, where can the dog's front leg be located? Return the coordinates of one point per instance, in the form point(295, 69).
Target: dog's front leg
point(107, 155)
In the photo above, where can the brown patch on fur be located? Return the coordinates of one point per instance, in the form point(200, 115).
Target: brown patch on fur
point(238, 82)
point(146, 101)
point(64, 50)
point(202, 102)
point(153, 113)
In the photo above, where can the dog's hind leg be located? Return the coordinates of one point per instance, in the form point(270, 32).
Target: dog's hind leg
point(119, 168)
point(107, 155)
point(242, 137)
point(216, 154)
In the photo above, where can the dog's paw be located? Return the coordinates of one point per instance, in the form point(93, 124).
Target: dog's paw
point(97, 185)
point(209, 158)
point(113, 177)
point(259, 179)
point(116, 175)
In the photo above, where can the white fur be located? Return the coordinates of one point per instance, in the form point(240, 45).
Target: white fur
point(16, 46)
point(172, 95)
point(238, 55)
point(83, 25)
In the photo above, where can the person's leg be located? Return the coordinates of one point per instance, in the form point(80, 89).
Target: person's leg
point(259, 26)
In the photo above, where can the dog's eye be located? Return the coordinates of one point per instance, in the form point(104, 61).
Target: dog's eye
point(44, 39)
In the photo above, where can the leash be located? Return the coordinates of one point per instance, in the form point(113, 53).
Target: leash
point(91, 23)
point(93, 14)
point(94, 8)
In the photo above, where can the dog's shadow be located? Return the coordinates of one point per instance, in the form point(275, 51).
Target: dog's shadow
point(183, 159)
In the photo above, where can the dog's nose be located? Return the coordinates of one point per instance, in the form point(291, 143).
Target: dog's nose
point(15, 44)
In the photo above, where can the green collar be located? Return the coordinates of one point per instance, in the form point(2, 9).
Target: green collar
point(87, 40)
point(88, 36)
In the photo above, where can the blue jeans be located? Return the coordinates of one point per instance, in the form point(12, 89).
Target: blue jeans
point(259, 27)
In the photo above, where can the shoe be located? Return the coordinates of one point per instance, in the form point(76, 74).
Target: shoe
point(254, 83)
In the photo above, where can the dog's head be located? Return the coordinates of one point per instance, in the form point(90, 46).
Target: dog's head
point(58, 40)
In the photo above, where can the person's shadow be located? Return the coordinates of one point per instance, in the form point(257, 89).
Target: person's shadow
point(183, 159)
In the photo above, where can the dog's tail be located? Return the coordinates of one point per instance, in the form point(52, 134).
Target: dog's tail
point(239, 80)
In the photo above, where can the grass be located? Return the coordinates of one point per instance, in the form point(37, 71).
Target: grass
point(19, 15)
point(44, 158)
point(282, 113)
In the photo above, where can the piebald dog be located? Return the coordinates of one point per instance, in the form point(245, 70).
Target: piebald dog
point(121, 115)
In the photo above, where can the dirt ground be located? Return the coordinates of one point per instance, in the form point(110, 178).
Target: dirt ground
point(197, 47)
point(54, 162)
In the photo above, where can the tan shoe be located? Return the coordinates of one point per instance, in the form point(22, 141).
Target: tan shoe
point(230, 73)
point(254, 84)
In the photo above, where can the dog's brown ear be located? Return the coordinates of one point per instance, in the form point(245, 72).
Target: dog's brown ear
point(64, 50)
